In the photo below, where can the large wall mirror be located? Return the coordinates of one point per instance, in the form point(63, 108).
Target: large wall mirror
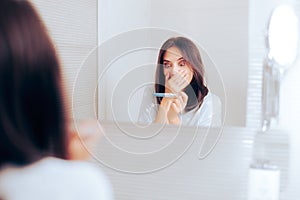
point(231, 37)
point(131, 33)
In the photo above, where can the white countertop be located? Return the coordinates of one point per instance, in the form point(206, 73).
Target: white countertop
point(169, 165)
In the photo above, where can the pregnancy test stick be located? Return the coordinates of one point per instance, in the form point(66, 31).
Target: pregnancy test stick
point(167, 95)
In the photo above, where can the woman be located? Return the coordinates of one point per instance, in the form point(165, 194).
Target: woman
point(180, 71)
point(36, 147)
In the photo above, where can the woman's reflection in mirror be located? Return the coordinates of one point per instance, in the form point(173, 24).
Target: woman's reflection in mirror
point(180, 71)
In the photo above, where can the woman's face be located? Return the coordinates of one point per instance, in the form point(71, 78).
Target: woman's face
point(174, 63)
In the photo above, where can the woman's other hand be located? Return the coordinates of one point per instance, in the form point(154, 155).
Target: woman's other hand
point(178, 105)
point(164, 107)
point(84, 135)
point(170, 108)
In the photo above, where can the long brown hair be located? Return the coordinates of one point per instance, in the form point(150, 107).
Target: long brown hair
point(196, 90)
point(32, 116)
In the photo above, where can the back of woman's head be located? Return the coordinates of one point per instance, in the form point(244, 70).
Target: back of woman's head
point(32, 121)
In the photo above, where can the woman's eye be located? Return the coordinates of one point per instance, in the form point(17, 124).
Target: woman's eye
point(182, 63)
point(167, 65)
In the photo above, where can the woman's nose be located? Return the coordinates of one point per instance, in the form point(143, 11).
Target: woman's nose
point(175, 69)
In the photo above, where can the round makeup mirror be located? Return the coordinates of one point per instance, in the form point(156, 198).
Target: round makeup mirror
point(283, 35)
point(282, 44)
